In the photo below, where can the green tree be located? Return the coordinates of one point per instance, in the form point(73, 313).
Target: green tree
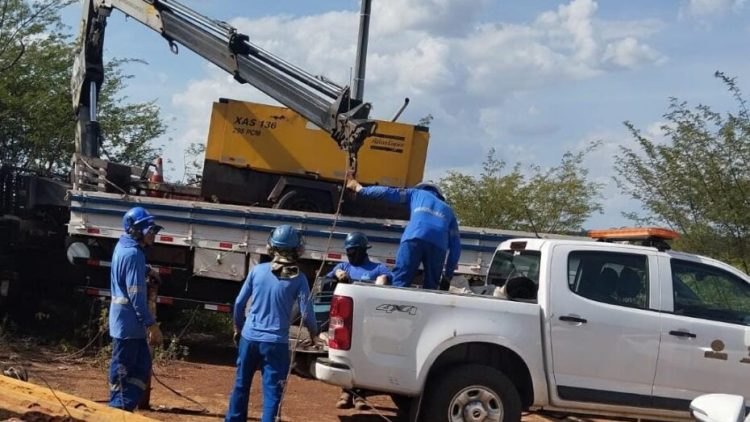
point(21, 22)
point(37, 122)
point(698, 180)
point(193, 163)
point(558, 199)
point(128, 128)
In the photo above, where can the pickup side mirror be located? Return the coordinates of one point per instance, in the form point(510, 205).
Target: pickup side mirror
point(719, 408)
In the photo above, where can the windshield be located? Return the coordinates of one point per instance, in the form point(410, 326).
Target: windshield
point(511, 264)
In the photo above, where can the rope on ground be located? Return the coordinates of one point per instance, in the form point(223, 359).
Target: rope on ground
point(202, 409)
point(81, 351)
point(190, 321)
point(371, 406)
point(55, 394)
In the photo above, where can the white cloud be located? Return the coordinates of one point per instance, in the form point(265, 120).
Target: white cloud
point(639, 28)
point(601, 166)
point(485, 59)
point(195, 104)
point(451, 60)
point(704, 9)
point(656, 132)
point(438, 17)
point(629, 53)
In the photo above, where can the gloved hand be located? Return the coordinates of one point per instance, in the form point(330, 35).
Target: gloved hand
point(313, 342)
point(445, 282)
point(155, 337)
point(354, 185)
point(341, 276)
point(236, 339)
point(319, 342)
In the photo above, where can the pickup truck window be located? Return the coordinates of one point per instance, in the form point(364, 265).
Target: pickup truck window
point(707, 292)
point(615, 278)
point(510, 264)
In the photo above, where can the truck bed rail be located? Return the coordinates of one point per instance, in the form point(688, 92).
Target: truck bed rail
point(234, 229)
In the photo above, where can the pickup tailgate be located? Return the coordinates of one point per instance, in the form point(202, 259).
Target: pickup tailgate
point(398, 333)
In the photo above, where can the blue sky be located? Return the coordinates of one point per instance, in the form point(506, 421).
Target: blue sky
point(530, 78)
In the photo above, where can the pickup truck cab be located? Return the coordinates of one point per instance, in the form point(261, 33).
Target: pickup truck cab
point(614, 329)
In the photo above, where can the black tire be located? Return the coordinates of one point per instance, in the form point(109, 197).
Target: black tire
point(305, 200)
point(467, 381)
point(403, 404)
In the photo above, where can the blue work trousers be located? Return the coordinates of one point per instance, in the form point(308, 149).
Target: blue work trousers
point(128, 372)
point(413, 252)
point(273, 360)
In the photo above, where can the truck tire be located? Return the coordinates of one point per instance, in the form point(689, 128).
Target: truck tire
point(403, 403)
point(297, 199)
point(472, 393)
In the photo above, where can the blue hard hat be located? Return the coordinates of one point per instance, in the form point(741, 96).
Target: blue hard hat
point(137, 218)
point(356, 240)
point(431, 187)
point(285, 237)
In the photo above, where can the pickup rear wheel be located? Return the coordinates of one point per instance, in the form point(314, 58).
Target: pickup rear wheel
point(472, 393)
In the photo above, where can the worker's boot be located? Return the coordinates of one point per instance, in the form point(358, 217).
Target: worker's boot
point(345, 400)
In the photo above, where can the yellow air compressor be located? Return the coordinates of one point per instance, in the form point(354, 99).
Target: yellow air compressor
point(265, 155)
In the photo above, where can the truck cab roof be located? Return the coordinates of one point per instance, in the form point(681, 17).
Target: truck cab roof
point(540, 244)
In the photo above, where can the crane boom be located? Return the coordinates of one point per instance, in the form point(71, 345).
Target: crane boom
point(325, 104)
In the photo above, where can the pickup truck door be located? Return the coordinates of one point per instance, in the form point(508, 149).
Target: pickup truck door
point(604, 329)
point(705, 334)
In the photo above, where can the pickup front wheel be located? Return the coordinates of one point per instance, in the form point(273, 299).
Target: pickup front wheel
point(472, 393)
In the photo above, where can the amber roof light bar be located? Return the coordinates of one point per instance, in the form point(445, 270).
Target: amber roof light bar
point(646, 236)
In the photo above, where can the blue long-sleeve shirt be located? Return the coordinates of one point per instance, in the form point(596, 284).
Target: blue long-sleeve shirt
point(431, 219)
point(128, 312)
point(271, 307)
point(367, 272)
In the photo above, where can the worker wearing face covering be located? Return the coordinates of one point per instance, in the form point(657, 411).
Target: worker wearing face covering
point(359, 268)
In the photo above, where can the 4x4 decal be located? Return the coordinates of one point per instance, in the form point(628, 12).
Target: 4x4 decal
point(390, 308)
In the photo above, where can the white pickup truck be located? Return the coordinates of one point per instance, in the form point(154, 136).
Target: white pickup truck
point(613, 329)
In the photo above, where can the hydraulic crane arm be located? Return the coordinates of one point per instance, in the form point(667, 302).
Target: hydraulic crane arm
point(325, 104)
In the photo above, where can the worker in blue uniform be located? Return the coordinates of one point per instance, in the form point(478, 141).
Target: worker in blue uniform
point(263, 329)
point(131, 324)
point(432, 232)
point(358, 268)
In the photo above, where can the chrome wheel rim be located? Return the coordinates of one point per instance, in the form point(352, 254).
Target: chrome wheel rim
point(476, 403)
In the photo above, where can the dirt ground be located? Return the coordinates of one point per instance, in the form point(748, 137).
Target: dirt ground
point(205, 377)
